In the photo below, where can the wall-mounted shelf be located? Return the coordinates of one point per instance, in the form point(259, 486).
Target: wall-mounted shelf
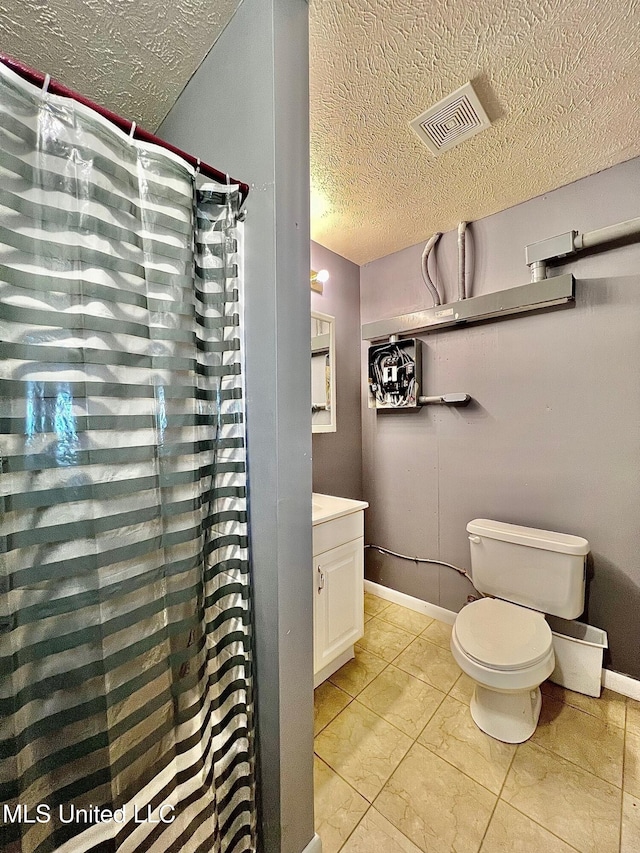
point(537, 296)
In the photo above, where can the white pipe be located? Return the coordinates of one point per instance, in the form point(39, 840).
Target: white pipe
point(446, 399)
point(462, 240)
point(433, 290)
point(630, 228)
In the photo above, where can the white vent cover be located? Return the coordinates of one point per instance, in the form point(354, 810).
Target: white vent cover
point(457, 117)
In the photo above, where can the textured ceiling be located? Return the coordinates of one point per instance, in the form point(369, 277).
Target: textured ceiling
point(560, 80)
point(133, 56)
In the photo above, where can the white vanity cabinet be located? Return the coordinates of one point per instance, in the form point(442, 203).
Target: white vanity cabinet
point(338, 582)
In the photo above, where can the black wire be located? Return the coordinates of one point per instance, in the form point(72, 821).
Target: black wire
point(424, 560)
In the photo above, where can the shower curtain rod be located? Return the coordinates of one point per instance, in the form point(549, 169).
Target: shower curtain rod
point(56, 88)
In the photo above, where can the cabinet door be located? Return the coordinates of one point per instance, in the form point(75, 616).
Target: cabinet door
point(339, 601)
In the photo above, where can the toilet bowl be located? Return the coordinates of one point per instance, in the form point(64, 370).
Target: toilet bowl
point(502, 641)
point(508, 651)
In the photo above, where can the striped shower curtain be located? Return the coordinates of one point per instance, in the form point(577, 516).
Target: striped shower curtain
point(125, 643)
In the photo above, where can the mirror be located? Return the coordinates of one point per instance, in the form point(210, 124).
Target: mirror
point(323, 373)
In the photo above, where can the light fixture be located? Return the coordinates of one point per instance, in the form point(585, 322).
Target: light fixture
point(318, 279)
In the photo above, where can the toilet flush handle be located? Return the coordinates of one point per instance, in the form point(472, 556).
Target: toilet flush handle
point(475, 539)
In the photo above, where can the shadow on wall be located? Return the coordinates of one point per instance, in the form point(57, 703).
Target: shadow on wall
point(619, 615)
point(592, 292)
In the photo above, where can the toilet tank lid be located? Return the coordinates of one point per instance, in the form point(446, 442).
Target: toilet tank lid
point(546, 540)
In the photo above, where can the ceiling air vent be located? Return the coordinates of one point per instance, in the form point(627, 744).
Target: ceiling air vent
point(457, 117)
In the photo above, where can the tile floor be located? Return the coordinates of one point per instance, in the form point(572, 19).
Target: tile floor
point(401, 768)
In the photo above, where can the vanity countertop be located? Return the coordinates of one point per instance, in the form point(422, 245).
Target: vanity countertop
point(328, 507)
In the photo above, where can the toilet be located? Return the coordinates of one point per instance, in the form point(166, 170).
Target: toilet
point(503, 641)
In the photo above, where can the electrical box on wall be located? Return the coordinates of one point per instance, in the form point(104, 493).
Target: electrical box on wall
point(395, 374)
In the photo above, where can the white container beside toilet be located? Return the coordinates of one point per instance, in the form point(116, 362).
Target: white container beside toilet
point(504, 642)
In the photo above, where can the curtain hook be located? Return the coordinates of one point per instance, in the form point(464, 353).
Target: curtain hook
point(132, 129)
point(45, 85)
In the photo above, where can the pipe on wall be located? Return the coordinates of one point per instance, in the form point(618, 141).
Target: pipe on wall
point(629, 228)
point(462, 245)
point(433, 290)
point(537, 255)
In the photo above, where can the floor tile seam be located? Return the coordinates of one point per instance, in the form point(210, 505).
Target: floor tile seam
point(579, 766)
point(369, 652)
point(437, 621)
point(626, 701)
point(537, 823)
point(455, 767)
point(328, 681)
point(367, 810)
point(404, 672)
point(583, 711)
point(389, 723)
point(402, 651)
point(380, 717)
point(393, 660)
point(634, 733)
point(364, 648)
point(359, 793)
point(351, 699)
point(342, 779)
point(402, 628)
point(433, 713)
point(635, 727)
point(337, 688)
point(423, 680)
point(380, 616)
point(386, 606)
point(346, 782)
point(386, 665)
point(446, 695)
point(441, 648)
point(404, 834)
point(431, 643)
point(413, 675)
point(454, 684)
point(602, 720)
point(624, 759)
point(393, 625)
point(404, 755)
point(459, 701)
point(495, 805)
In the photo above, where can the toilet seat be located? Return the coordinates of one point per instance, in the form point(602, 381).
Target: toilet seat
point(502, 636)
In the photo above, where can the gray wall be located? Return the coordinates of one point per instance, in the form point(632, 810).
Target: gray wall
point(246, 112)
point(552, 439)
point(337, 456)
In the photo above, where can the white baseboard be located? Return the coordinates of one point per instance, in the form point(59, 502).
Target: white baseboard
point(314, 846)
point(410, 602)
point(616, 681)
point(620, 683)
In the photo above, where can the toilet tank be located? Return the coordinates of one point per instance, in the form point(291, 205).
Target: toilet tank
point(535, 568)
